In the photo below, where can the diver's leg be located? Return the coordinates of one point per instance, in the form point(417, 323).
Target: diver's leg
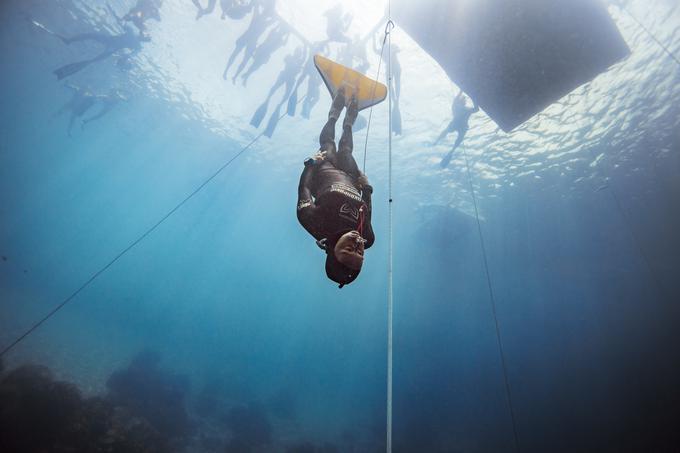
point(279, 81)
point(63, 108)
point(345, 159)
point(327, 137)
point(312, 97)
point(444, 133)
point(210, 8)
point(253, 67)
point(240, 44)
point(70, 123)
point(396, 74)
point(460, 138)
point(247, 55)
point(97, 37)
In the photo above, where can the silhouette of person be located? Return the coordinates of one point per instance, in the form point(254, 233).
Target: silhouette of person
point(292, 66)
point(263, 16)
point(334, 198)
point(277, 38)
point(108, 102)
point(128, 40)
point(459, 124)
point(337, 24)
point(140, 13)
point(82, 99)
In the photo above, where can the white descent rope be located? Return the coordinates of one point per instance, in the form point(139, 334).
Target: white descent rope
point(390, 247)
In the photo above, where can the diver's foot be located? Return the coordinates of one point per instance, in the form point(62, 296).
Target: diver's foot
point(338, 104)
point(352, 112)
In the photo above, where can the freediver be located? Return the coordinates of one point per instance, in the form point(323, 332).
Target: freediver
point(459, 124)
point(263, 16)
point(277, 38)
point(334, 198)
point(140, 13)
point(128, 40)
point(81, 101)
point(108, 102)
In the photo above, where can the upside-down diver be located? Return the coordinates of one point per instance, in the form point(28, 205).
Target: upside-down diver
point(334, 198)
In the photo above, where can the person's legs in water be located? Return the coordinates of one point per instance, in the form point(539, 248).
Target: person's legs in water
point(101, 38)
point(240, 44)
point(461, 136)
point(345, 160)
point(327, 136)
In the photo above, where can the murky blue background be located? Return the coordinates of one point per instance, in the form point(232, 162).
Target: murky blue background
point(579, 211)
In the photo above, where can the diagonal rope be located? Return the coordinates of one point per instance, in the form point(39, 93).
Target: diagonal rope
point(493, 306)
point(134, 243)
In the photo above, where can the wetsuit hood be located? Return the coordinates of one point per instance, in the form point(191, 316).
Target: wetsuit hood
point(335, 270)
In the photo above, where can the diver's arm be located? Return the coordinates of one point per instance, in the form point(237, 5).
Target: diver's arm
point(304, 187)
point(368, 231)
point(366, 193)
point(306, 208)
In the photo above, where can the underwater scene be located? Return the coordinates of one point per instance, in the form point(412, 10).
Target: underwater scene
point(296, 226)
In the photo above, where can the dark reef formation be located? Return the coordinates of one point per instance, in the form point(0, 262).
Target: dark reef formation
point(249, 426)
point(307, 447)
point(149, 392)
point(143, 411)
point(38, 413)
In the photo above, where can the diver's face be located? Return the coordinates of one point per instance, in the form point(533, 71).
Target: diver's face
point(349, 250)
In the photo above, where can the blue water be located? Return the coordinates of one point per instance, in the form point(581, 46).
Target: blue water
point(578, 212)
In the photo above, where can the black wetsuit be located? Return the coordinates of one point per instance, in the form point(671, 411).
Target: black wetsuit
point(329, 202)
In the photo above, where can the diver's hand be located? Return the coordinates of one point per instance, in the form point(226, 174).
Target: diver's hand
point(316, 159)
